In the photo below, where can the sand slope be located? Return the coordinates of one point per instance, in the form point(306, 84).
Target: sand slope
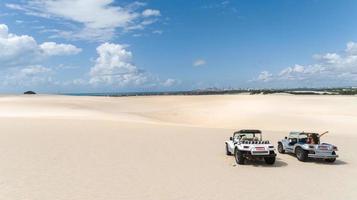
point(168, 147)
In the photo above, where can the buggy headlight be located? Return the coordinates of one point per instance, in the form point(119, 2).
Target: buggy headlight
point(334, 148)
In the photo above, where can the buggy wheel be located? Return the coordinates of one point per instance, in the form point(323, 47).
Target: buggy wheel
point(269, 160)
point(228, 153)
point(301, 154)
point(281, 148)
point(330, 160)
point(239, 157)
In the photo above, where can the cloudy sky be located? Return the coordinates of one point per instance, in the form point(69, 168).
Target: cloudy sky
point(159, 45)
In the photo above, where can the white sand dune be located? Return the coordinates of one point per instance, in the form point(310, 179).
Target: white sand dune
point(168, 147)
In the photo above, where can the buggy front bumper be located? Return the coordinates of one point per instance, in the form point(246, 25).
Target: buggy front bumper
point(260, 155)
point(325, 156)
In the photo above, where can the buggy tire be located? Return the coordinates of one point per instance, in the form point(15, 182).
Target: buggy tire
point(228, 153)
point(269, 160)
point(281, 148)
point(330, 160)
point(238, 155)
point(301, 154)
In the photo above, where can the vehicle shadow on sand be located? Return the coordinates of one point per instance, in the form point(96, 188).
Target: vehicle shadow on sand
point(259, 163)
point(320, 161)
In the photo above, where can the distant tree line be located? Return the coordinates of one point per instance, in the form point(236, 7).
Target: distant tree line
point(296, 91)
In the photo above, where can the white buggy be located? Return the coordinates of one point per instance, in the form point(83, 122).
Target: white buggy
point(307, 145)
point(248, 144)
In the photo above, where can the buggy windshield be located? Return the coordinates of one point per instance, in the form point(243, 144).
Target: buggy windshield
point(249, 136)
point(310, 138)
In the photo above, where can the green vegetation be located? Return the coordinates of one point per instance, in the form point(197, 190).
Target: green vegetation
point(215, 91)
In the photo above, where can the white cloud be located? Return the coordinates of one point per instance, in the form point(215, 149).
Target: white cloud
point(4, 31)
point(170, 82)
point(226, 6)
point(159, 32)
point(351, 48)
point(21, 57)
point(27, 76)
point(16, 49)
point(98, 17)
point(23, 49)
point(336, 68)
point(85, 34)
point(291, 72)
point(150, 13)
point(92, 13)
point(265, 76)
point(199, 62)
point(330, 58)
point(52, 48)
point(114, 66)
point(74, 82)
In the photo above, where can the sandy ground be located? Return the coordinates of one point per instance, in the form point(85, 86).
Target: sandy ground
point(168, 147)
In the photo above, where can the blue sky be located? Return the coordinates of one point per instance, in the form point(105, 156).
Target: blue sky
point(157, 45)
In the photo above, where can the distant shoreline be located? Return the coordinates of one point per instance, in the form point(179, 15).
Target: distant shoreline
point(298, 91)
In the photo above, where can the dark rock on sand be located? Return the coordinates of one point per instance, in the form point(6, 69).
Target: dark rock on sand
point(29, 92)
